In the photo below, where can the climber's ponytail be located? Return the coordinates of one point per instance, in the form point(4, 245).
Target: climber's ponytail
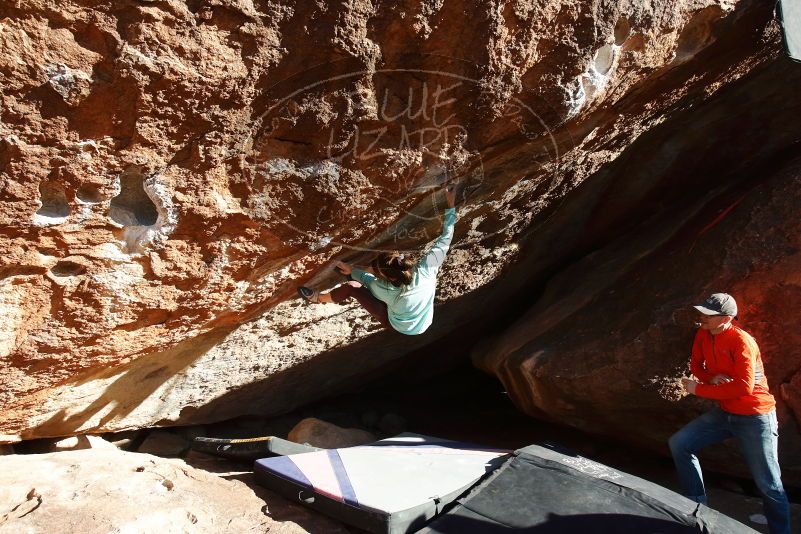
point(394, 268)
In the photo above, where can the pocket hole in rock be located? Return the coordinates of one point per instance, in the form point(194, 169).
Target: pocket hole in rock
point(54, 202)
point(89, 194)
point(603, 59)
point(622, 30)
point(132, 207)
point(67, 268)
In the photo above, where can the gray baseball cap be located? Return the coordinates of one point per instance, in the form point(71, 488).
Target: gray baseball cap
point(718, 304)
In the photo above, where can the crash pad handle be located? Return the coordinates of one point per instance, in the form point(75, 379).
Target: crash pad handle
point(308, 498)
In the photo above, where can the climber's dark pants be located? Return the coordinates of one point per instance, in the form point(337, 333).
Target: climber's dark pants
point(375, 307)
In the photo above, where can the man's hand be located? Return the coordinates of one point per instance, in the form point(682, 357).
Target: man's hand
point(720, 379)
point(689, 385)
point(343, 267)
point(450, 195)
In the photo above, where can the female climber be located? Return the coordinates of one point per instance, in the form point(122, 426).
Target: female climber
point(395, 290)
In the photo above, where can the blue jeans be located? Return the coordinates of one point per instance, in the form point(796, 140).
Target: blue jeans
point(757, 436)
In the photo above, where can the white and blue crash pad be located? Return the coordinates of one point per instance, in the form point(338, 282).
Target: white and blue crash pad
point(391, 486)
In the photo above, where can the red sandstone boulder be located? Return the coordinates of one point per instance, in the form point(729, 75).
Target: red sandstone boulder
point(318, 433)
point(170, 172)
point(605, 345)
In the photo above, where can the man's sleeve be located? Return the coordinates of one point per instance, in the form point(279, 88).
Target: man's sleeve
point(697, 361)
point(436, 254)
point(742, 382)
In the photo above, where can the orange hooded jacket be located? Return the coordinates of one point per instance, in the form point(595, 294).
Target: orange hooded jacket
point(735, 353)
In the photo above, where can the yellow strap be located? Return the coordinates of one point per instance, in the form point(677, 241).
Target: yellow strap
point(250, 440)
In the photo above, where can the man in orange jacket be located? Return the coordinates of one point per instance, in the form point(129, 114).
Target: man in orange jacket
point(728, 367)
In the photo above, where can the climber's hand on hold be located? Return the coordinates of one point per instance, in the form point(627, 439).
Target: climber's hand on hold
point(343, 268)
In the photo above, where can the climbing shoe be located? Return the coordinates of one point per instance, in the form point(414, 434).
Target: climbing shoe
point(308, 294)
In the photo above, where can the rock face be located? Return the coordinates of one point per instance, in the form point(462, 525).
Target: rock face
point(80, 443)
point(172, 171)
point(604, 346)
point(318, 433)
point(92, 491)
point(163, 444)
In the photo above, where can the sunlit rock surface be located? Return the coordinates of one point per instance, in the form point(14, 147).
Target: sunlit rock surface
point(107, 490)
point(171, 171)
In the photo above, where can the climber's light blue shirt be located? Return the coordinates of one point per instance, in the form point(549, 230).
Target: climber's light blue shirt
point(411, 308)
